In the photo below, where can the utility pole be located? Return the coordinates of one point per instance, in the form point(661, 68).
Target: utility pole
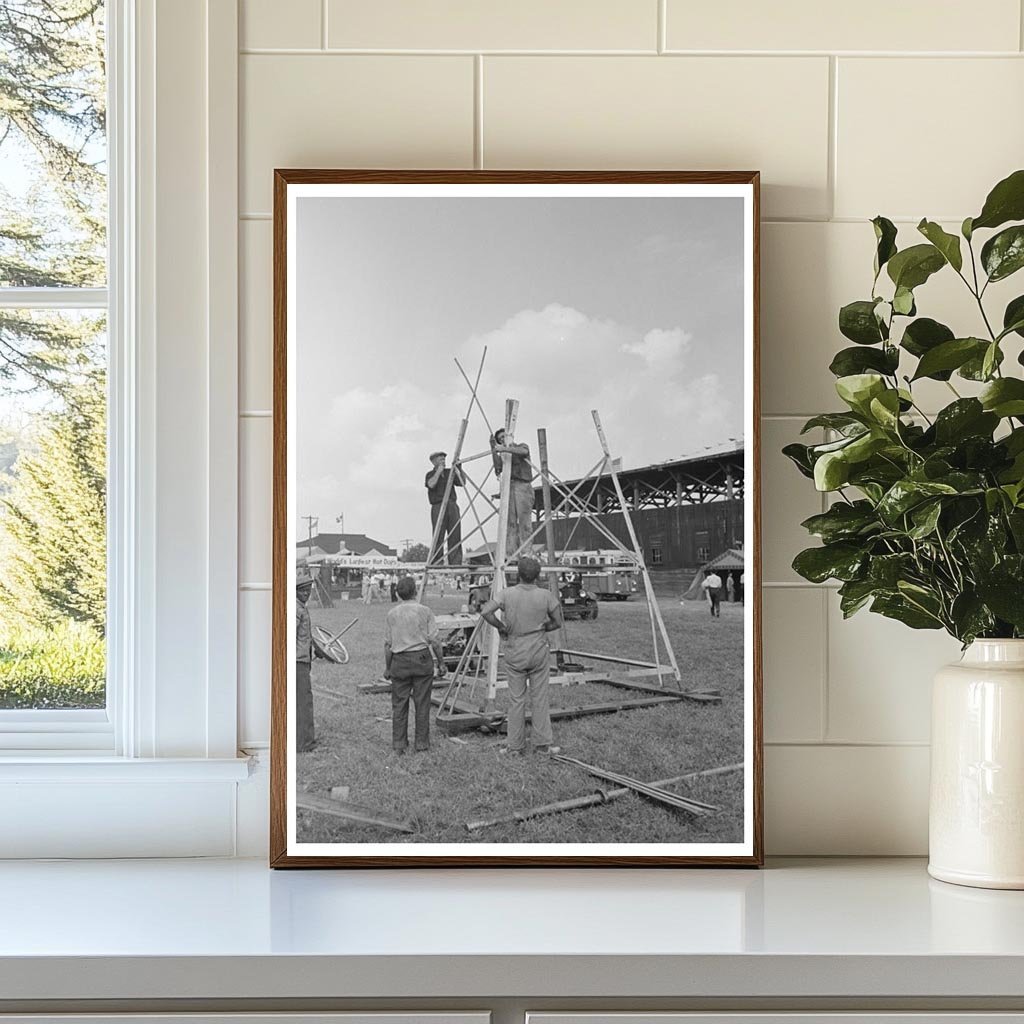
point(406, 543)
point(313, 522)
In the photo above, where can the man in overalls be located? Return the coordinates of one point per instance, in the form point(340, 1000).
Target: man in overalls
point(529, 613)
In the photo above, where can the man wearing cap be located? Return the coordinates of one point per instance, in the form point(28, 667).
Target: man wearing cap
point(450, 537)
point(304, 738)
point(529, 613)
point(712, 586)
point(410, 634)
point(520, 506)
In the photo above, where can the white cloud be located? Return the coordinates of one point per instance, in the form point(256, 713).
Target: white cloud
point(366, 455)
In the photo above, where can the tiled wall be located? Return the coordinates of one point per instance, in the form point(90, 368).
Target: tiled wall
point(908, 109)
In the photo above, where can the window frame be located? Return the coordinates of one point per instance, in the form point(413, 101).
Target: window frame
point(93, 730)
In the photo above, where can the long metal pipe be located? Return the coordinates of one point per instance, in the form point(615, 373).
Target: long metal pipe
point(600, 796)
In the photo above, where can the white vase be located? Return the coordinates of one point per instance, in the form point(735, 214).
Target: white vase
point(976, 815)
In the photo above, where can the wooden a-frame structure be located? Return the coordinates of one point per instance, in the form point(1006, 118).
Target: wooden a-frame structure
point(469, 699)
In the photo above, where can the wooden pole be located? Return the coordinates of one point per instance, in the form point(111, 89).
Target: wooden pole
point(449, 483)
point(501, 547)
point(652, 601)
point(549, 527)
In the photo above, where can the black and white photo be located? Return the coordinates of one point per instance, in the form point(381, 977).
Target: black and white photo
point(516, 563)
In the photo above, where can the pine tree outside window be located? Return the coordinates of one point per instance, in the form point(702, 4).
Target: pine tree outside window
point(53, 359)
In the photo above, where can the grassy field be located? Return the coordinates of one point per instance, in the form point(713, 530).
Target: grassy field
point(456, 782)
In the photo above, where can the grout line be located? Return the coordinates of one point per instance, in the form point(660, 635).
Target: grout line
point(855, 744)
point(258, 51)
point(323, 24)
point(833, 134)
point(1020, 21)
point(662, 26)
point(255, 586)
point(478, 111)
point(823, 723)
point(255, 216)
point(254, 414)
point(798, 584)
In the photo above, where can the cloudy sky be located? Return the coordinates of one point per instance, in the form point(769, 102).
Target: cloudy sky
point(631, 306)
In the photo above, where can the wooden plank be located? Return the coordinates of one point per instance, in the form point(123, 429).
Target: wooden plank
point(611, 658)
point(350, 812)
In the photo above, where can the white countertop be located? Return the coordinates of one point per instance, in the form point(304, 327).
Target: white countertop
point(234, 929)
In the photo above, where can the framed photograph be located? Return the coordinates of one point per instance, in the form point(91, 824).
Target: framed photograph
point(516, 608)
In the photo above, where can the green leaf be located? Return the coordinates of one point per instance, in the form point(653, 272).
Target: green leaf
point(842, 521)
point(885, 410)
point(970, 617)
point(949, 356)
point(911, 267)
point(964, 418)
point(1013, 316)
point(1003, 254)
point(991, 360)
point(887, 570)
point(1005, 202)
point(858, 389)
point(974, 368)
point(850, 361)
point(923, 335)
point(831, 471)
point(1005, 597)
point(841, 421)
point(965, 229)
point(800, 456)
point(947, 244)
point(906, 494)
point(854, 594)
point(925, 518)
point(898, 608)
point(1004, 397)
point(885, 237)
point(903, 302)
point(840, 561)
point(857, 321)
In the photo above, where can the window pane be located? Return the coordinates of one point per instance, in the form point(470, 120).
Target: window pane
point(53, 149)
point(52, 509)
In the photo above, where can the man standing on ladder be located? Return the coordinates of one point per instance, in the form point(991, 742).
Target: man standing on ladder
point(529, 614)
point(450, 538)
point(520, 502)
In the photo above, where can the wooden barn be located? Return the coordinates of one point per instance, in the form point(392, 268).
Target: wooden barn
point(685, 512)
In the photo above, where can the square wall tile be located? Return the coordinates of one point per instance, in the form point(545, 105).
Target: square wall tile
point(787, 499)
point(507, 25)
point(793, 631)
point(846, 801)
point(270, 24)
point(698, 113)
point(963, 130)
point(255, 316)
point(351, 111)
point(867, 25)
point(880, 677)
point(809, 271)
point(254, 617)
point(255, 510)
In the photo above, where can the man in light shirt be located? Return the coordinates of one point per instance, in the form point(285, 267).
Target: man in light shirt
point(713, 588)
point(410, 634)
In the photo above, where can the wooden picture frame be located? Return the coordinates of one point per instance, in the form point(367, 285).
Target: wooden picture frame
point(288, 847)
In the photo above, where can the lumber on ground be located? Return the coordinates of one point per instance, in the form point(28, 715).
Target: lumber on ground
point(350, 812)
point(600, 796)
point(657, 793)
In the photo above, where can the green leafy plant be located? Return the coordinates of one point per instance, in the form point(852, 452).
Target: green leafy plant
point(927, 525)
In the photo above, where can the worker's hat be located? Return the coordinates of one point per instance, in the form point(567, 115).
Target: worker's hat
point(434, 455)
point(303, 581)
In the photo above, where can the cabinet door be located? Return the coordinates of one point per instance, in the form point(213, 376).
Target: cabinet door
point(362, 1017)
point(784, 1017)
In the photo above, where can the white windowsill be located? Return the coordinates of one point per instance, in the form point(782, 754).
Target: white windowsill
point(77, 766)
point(233, 930)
